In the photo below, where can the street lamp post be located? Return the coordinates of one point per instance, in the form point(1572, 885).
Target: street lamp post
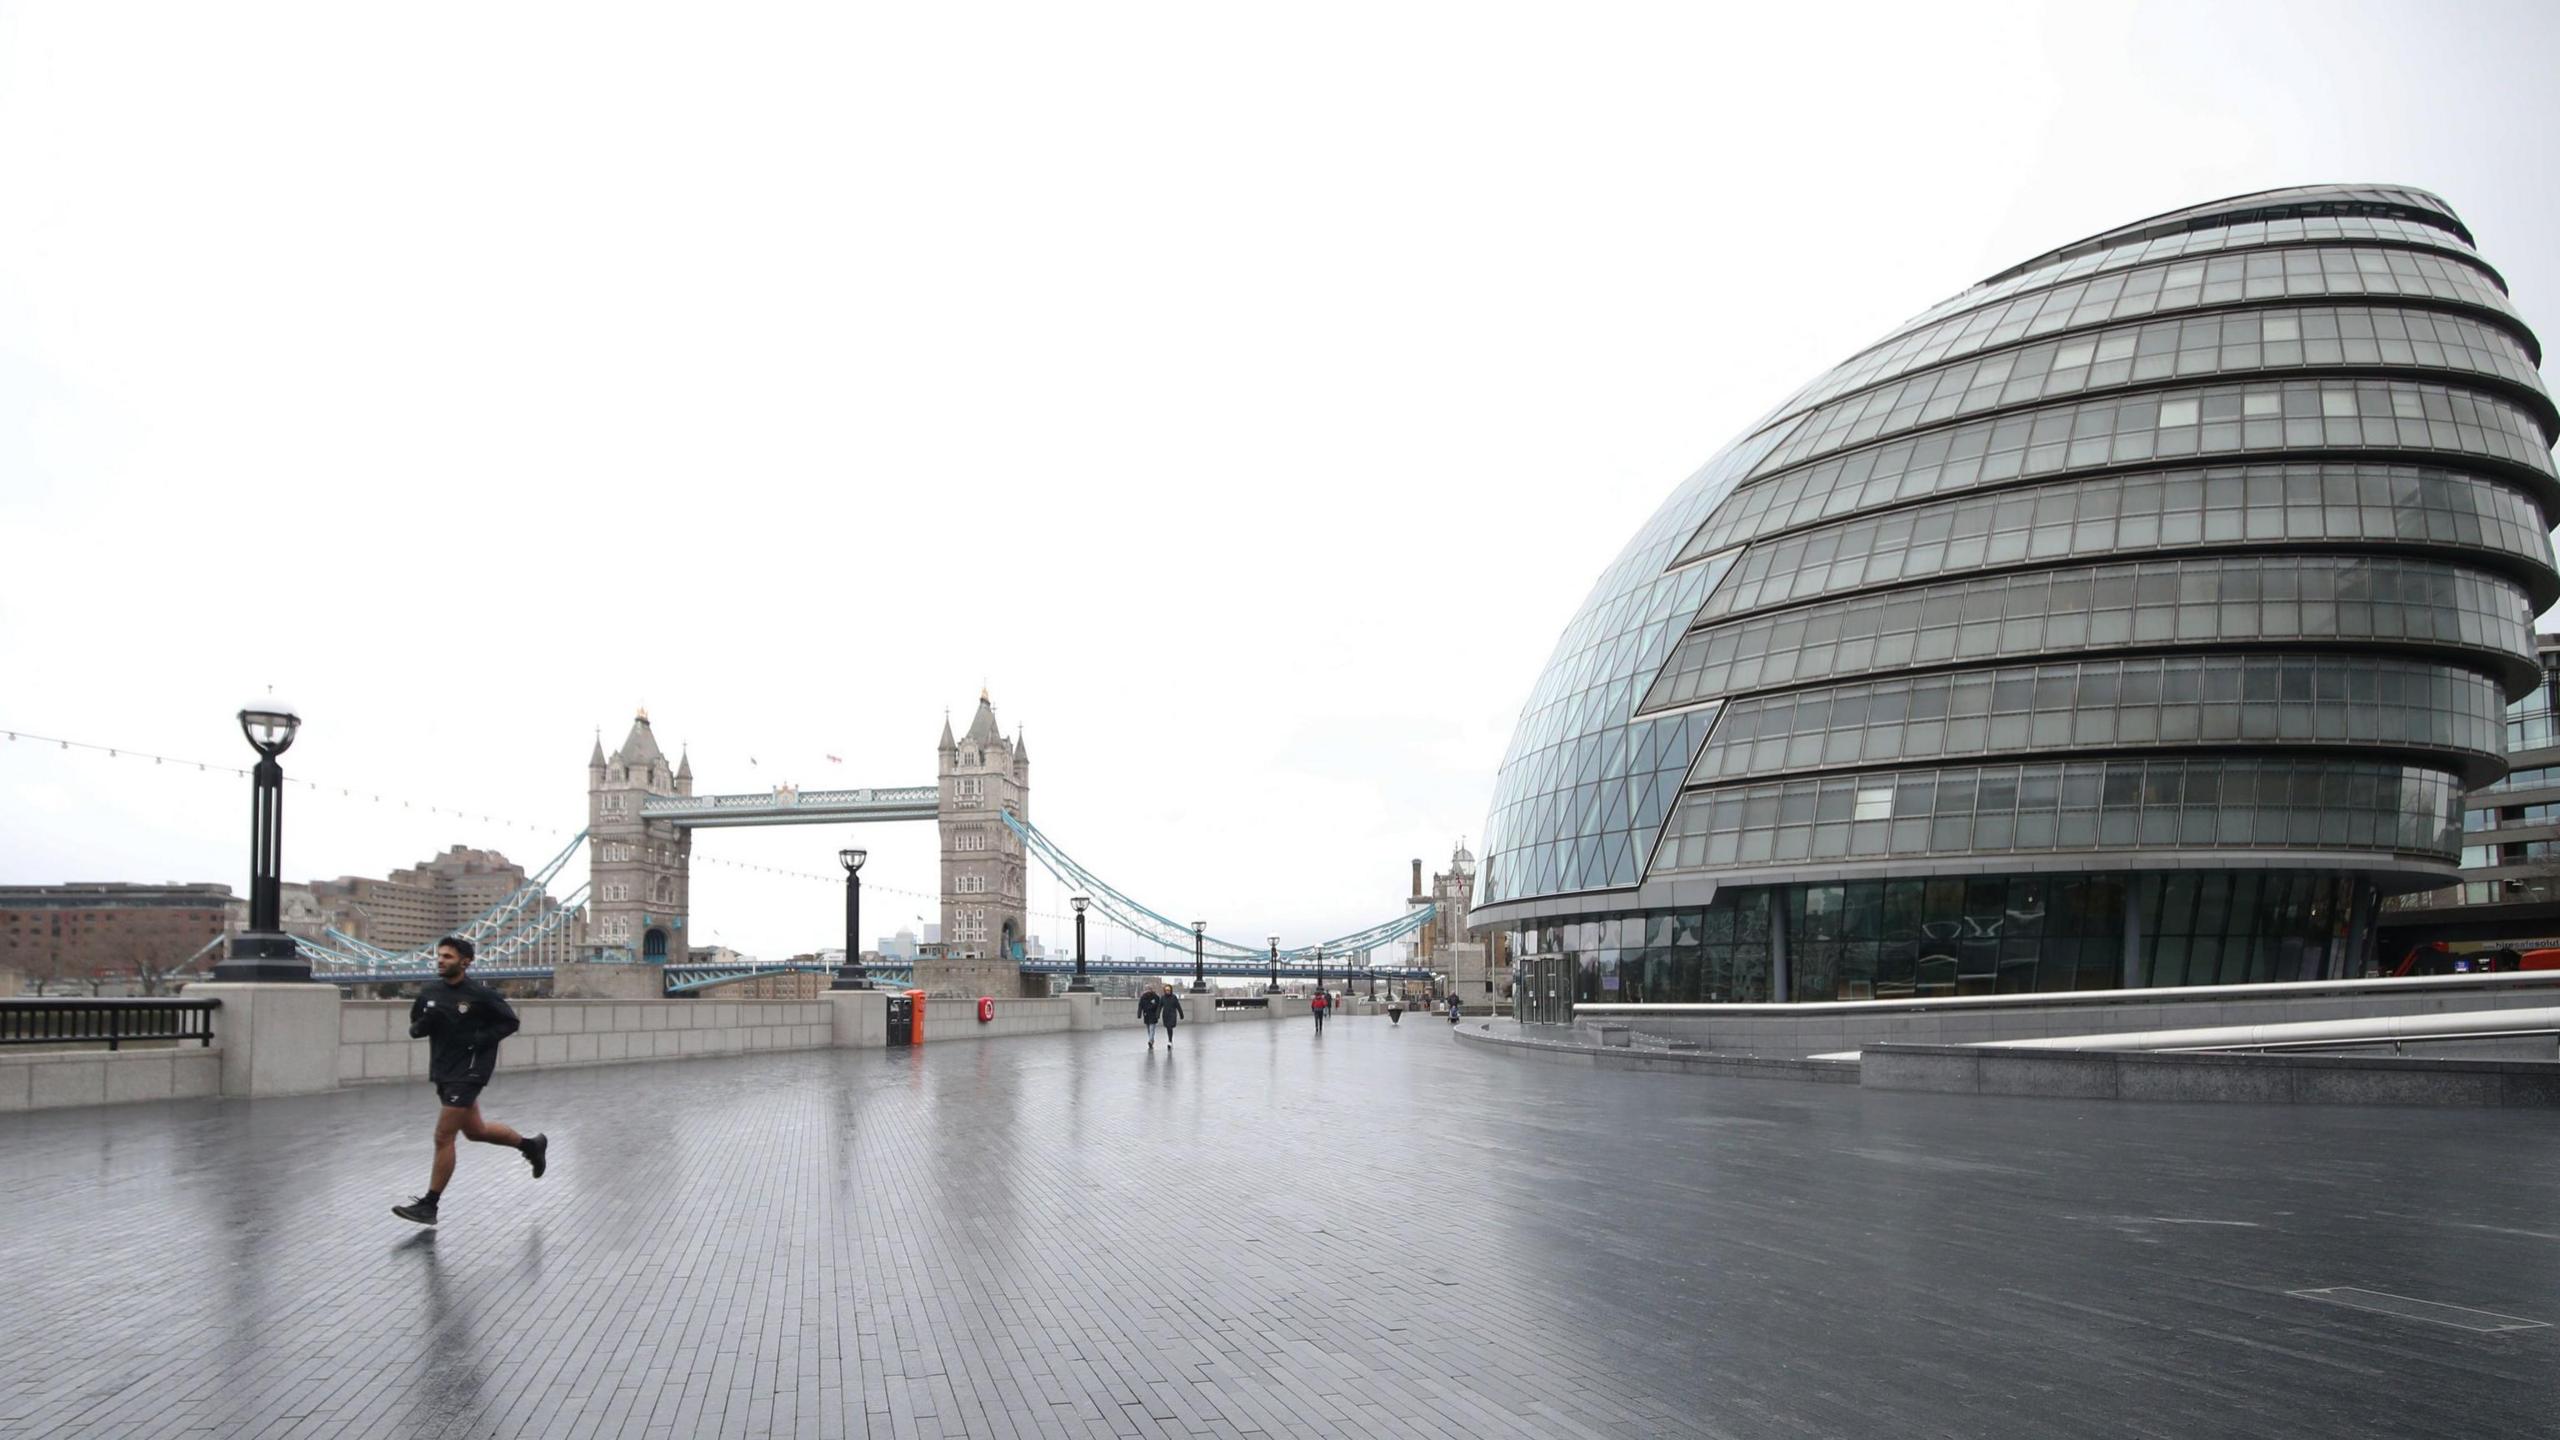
point(1080, 985)
point(1275, 965)
point(1199, 971)
point(264, 954)
point(852, 975)
point(1319, 965)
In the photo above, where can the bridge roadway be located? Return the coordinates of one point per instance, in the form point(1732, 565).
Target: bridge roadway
point(1374, 1233)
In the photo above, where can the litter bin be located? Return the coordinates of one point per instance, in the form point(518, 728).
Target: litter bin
point(902, 1019)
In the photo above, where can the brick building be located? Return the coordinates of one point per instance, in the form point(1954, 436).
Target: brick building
point(106, 934)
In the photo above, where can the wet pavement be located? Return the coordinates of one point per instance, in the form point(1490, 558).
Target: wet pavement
point(1378, 1232)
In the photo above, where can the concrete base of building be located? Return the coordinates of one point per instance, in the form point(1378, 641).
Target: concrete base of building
point(1572, 1048)
point(2241, 1079)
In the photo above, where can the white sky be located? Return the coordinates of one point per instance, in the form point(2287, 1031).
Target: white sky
point(1248, 398)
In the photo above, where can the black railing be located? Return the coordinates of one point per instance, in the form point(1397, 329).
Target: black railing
point(57, 1020)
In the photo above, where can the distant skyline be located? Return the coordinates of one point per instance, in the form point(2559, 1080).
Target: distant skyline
point(1245, 399)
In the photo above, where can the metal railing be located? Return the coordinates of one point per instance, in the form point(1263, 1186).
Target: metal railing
point(61, 1020)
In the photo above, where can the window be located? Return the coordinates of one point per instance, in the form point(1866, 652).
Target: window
point(969, 787)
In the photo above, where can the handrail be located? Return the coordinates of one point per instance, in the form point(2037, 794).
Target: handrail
point(71, 1020)
point(2368, 1030)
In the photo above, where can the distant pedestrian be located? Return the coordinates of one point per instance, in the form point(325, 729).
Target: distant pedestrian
point(1170, 1012)
point(1395, 1011)
point(1454, 1010)
point(462, 1021)
point(1320, 1003)
point(1150, 1008)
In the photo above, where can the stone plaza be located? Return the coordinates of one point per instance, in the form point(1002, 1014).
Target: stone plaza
point(1271, 1232)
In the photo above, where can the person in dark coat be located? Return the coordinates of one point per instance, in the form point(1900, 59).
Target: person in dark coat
point(1151, 1009)
point(1169, 1010)
point(462, 1021)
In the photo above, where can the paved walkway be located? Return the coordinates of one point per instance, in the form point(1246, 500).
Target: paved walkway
point(1377, 1233)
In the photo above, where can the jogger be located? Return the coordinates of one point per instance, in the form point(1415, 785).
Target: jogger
point(462, 1022)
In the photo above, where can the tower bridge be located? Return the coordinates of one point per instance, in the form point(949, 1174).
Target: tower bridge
point(642, 813)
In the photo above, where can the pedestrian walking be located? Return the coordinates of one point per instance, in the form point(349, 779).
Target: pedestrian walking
point(1150, 1008)
point(1171, 1013)
point(462, 1021)
point(1395, 1011)
point(1320, 1003)
point(1453, 1009)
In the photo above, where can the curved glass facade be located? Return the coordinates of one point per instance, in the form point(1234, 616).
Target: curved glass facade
point(2137, 616)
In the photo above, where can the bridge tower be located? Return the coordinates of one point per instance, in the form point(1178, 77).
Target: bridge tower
point(984, 890)
point(638, 886)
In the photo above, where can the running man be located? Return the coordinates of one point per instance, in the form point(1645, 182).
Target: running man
point(462, 1022)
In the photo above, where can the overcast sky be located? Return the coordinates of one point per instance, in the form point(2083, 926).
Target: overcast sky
point(1247, 398)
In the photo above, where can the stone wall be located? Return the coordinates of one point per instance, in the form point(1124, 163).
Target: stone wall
point(374, 1043)
point(304, 1039)
point(57, 1078)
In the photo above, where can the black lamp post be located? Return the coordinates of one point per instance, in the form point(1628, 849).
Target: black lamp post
point(1080, 985)
point(1199, 971)
point(264, 954)
point(1275, 964)
point(851, 975)
point(1319, 966)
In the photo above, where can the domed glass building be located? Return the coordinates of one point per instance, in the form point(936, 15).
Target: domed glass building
point(2136, 617)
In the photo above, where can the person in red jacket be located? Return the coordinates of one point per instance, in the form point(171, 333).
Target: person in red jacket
point(1320, 1003)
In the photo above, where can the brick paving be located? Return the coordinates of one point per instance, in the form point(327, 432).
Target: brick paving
point(1375, 1233)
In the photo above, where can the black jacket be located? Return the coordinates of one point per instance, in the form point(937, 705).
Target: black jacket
point(462, 1025)
point(1172, 1009)
point(1148, 1005)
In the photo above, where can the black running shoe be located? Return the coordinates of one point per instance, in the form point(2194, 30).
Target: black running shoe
point(422, 1210)
point(536, 1152)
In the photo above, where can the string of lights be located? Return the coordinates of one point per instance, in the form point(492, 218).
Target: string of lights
point(368, 795)
point(216, 767)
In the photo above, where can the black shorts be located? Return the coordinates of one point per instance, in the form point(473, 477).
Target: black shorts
point(461, 1094)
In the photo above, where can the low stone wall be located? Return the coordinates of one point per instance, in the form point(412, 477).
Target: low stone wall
point(54, 1079)
point(374, 1043)
point(301, 1039)
point(2229, 1078)
point(957, 1019)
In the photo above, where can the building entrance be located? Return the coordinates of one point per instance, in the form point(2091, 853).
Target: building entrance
point(1546, 990)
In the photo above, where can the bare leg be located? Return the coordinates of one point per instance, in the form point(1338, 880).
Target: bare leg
point(449, 1121)
point(488, 1132)
point(464, 1121)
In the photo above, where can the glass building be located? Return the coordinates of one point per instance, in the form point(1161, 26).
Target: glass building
point(2139, 616)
